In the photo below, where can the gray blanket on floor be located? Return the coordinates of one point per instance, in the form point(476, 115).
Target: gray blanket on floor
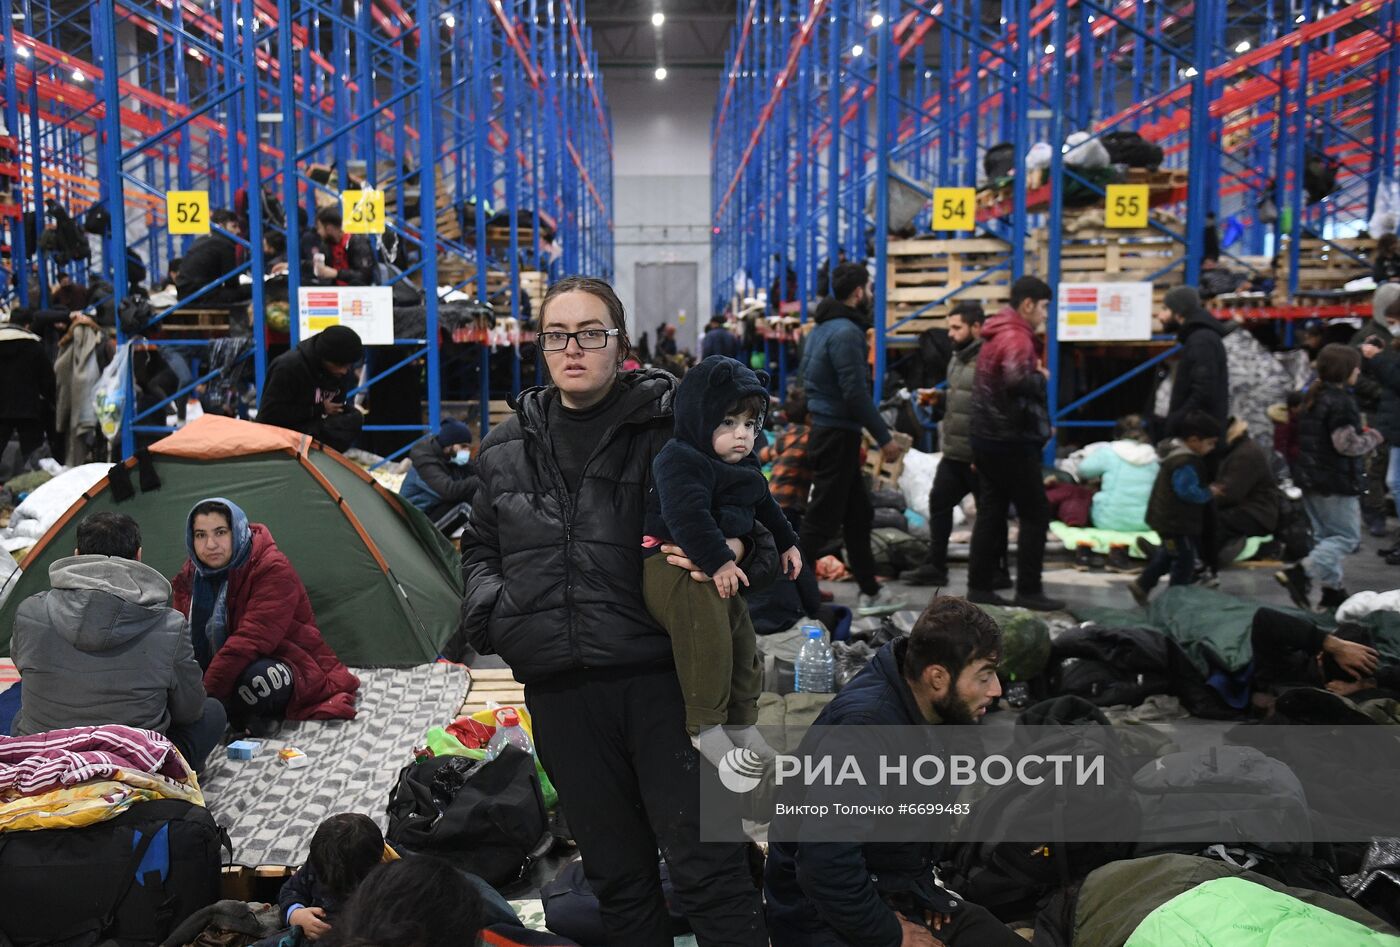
point(271, 810)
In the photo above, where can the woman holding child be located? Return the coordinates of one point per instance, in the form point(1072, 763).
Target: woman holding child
point(553, 566)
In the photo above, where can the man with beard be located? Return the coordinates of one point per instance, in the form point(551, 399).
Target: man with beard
point(831, 894)
point(956, 476)
point(837, 384)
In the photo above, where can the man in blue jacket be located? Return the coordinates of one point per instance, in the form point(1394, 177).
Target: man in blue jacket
point(832, 894)
point(837, 384)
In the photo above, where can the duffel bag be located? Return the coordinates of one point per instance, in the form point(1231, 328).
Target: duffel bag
point(486, 817)
point(130, 879)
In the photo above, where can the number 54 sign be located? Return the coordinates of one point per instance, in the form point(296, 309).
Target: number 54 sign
point(1125, 205)
point(362, 211)
point(954, 208)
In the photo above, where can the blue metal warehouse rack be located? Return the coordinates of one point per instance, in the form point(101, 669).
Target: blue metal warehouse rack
point(443, 104)
point(830, 110)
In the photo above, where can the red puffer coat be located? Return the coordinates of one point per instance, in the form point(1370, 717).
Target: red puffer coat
point(270, 616)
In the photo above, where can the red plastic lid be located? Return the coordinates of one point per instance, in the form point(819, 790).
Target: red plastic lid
point(507, 717)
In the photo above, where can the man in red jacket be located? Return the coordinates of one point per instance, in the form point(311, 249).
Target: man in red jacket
point(1010, 425)
point(252, 626)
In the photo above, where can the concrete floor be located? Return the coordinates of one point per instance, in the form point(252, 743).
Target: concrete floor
point(1364, 571)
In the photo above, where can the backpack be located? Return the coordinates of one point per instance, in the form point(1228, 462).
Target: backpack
point(130, 879)
point(1132, 149)
point(97, 220)
point(1233, 796)
point(1009, 878)
point(571, 908)
point(895, 550)
point(484, 816)
point(999, 161)
point(134, 314)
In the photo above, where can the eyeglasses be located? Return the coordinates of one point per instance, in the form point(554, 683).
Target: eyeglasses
point(586, 339)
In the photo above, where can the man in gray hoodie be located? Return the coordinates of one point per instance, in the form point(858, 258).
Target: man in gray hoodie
point(103, 646)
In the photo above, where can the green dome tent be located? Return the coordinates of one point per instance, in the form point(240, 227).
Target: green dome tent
point(386, 586)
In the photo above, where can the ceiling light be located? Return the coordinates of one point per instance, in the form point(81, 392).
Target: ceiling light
point(857, 50)
point(660, 73)
point(22, 52)
point(1050, 49)
point(658, 18)
point(1242, 47)
point(78, 75)
point(450, 21)
point(877, 20)
point(1302, 18)
point(1003, 21)
point(1190, 72)
point(1091, 17)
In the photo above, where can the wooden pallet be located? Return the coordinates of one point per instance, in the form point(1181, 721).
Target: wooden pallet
point(926, 270)
point(885, 476)
point(492, 686)
point(200, 322)
point(1329, 264)
point(1118, 256)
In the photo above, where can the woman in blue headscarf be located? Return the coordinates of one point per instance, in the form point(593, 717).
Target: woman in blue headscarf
point(251, 623)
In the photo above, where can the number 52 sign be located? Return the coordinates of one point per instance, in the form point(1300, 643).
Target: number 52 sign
point(187, 212)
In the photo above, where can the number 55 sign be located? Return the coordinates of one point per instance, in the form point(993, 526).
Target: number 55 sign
point(954, 208)
point(362, 211)
point(187, 212)
point(1125, 205)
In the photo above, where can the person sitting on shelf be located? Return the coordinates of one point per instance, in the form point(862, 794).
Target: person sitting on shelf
point(212, 260)
point(274, 253)
point(1386, 268)
point(334, 257)
point(1217, 280)
point(307, 388)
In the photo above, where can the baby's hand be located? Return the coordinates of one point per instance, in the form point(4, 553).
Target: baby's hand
point(311, 921)
point(727, 579)
point(792, 562)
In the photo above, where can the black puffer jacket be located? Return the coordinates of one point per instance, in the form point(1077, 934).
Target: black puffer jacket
point(1320, 467)
point(1249, 483)
point(554, 582)
point(1385, 369)
point(1203, 372)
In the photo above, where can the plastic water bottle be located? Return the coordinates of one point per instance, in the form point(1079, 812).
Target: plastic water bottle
point(508, 731)
point(816, 667)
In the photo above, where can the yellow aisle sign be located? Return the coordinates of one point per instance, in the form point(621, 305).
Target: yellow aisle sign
point(187, 211)
point(1125, 206)
point(363, 211)
point(954, 208)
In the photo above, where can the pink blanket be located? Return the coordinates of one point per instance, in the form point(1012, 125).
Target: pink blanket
point(59, 758)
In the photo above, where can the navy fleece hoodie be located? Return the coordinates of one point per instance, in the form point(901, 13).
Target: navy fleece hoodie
point(696, 499)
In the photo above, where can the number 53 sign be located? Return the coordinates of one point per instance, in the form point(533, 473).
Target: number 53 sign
point(1125, 205)
point(363, 211)
point(954, 208)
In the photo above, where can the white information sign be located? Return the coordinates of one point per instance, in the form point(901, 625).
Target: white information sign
point(369, 310)
point(1104, 312)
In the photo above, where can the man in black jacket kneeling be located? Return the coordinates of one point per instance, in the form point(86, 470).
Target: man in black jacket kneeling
point(829, 894)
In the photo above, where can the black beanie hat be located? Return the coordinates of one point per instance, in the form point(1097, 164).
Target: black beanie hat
point(339, 345)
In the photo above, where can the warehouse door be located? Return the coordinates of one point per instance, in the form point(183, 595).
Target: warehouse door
point(670, 293)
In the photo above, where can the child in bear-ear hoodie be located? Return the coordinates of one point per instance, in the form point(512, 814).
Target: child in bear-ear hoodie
point(708, 487)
